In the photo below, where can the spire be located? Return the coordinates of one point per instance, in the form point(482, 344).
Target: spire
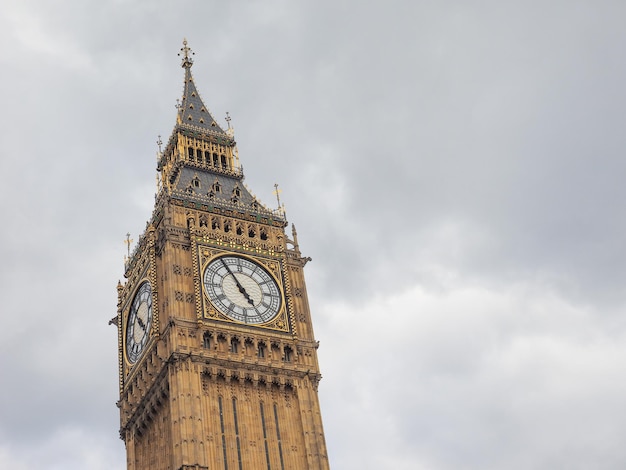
point(192, 112)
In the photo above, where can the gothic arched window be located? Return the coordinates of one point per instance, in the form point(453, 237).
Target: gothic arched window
point(206, 340)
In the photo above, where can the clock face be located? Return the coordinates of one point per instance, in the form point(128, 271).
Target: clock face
point(139, 322)
point(242, 289)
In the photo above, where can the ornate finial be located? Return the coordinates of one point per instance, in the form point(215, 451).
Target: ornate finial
point(159, 142)
point(230, 131)
point(294, 234)
point(281, 207)
point(277, 192)
point(185, 51)
point(128, 242)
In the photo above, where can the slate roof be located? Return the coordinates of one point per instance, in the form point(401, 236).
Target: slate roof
point(192, 111)
point(197, 185)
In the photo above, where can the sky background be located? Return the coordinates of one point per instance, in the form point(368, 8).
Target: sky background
point(455, 170)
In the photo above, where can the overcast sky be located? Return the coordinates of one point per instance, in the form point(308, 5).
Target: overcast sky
point(454, 168)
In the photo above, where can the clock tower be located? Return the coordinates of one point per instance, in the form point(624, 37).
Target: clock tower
point(217, 357)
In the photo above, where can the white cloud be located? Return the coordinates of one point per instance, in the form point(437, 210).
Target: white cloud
point(38, 39)
point(472, 378)
point(71, 448)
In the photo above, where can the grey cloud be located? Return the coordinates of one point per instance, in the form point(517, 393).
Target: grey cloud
point(424, 151)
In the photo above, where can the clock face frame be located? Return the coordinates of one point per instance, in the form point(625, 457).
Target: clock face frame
point(242, 289)
point(139, 322)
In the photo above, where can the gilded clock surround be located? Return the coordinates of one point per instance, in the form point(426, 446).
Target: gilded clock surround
point(140, 268)
point(140, 307)
point(207, 311)
point(207, 391)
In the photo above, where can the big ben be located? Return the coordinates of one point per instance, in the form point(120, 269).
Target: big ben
point(217, 356)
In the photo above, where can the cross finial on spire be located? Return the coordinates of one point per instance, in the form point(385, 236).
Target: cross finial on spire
point(228, 118)
point(186, 52)
point(159, 142)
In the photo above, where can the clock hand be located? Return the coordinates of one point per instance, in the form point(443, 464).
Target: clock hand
point(141, 324)
point(239, 286)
